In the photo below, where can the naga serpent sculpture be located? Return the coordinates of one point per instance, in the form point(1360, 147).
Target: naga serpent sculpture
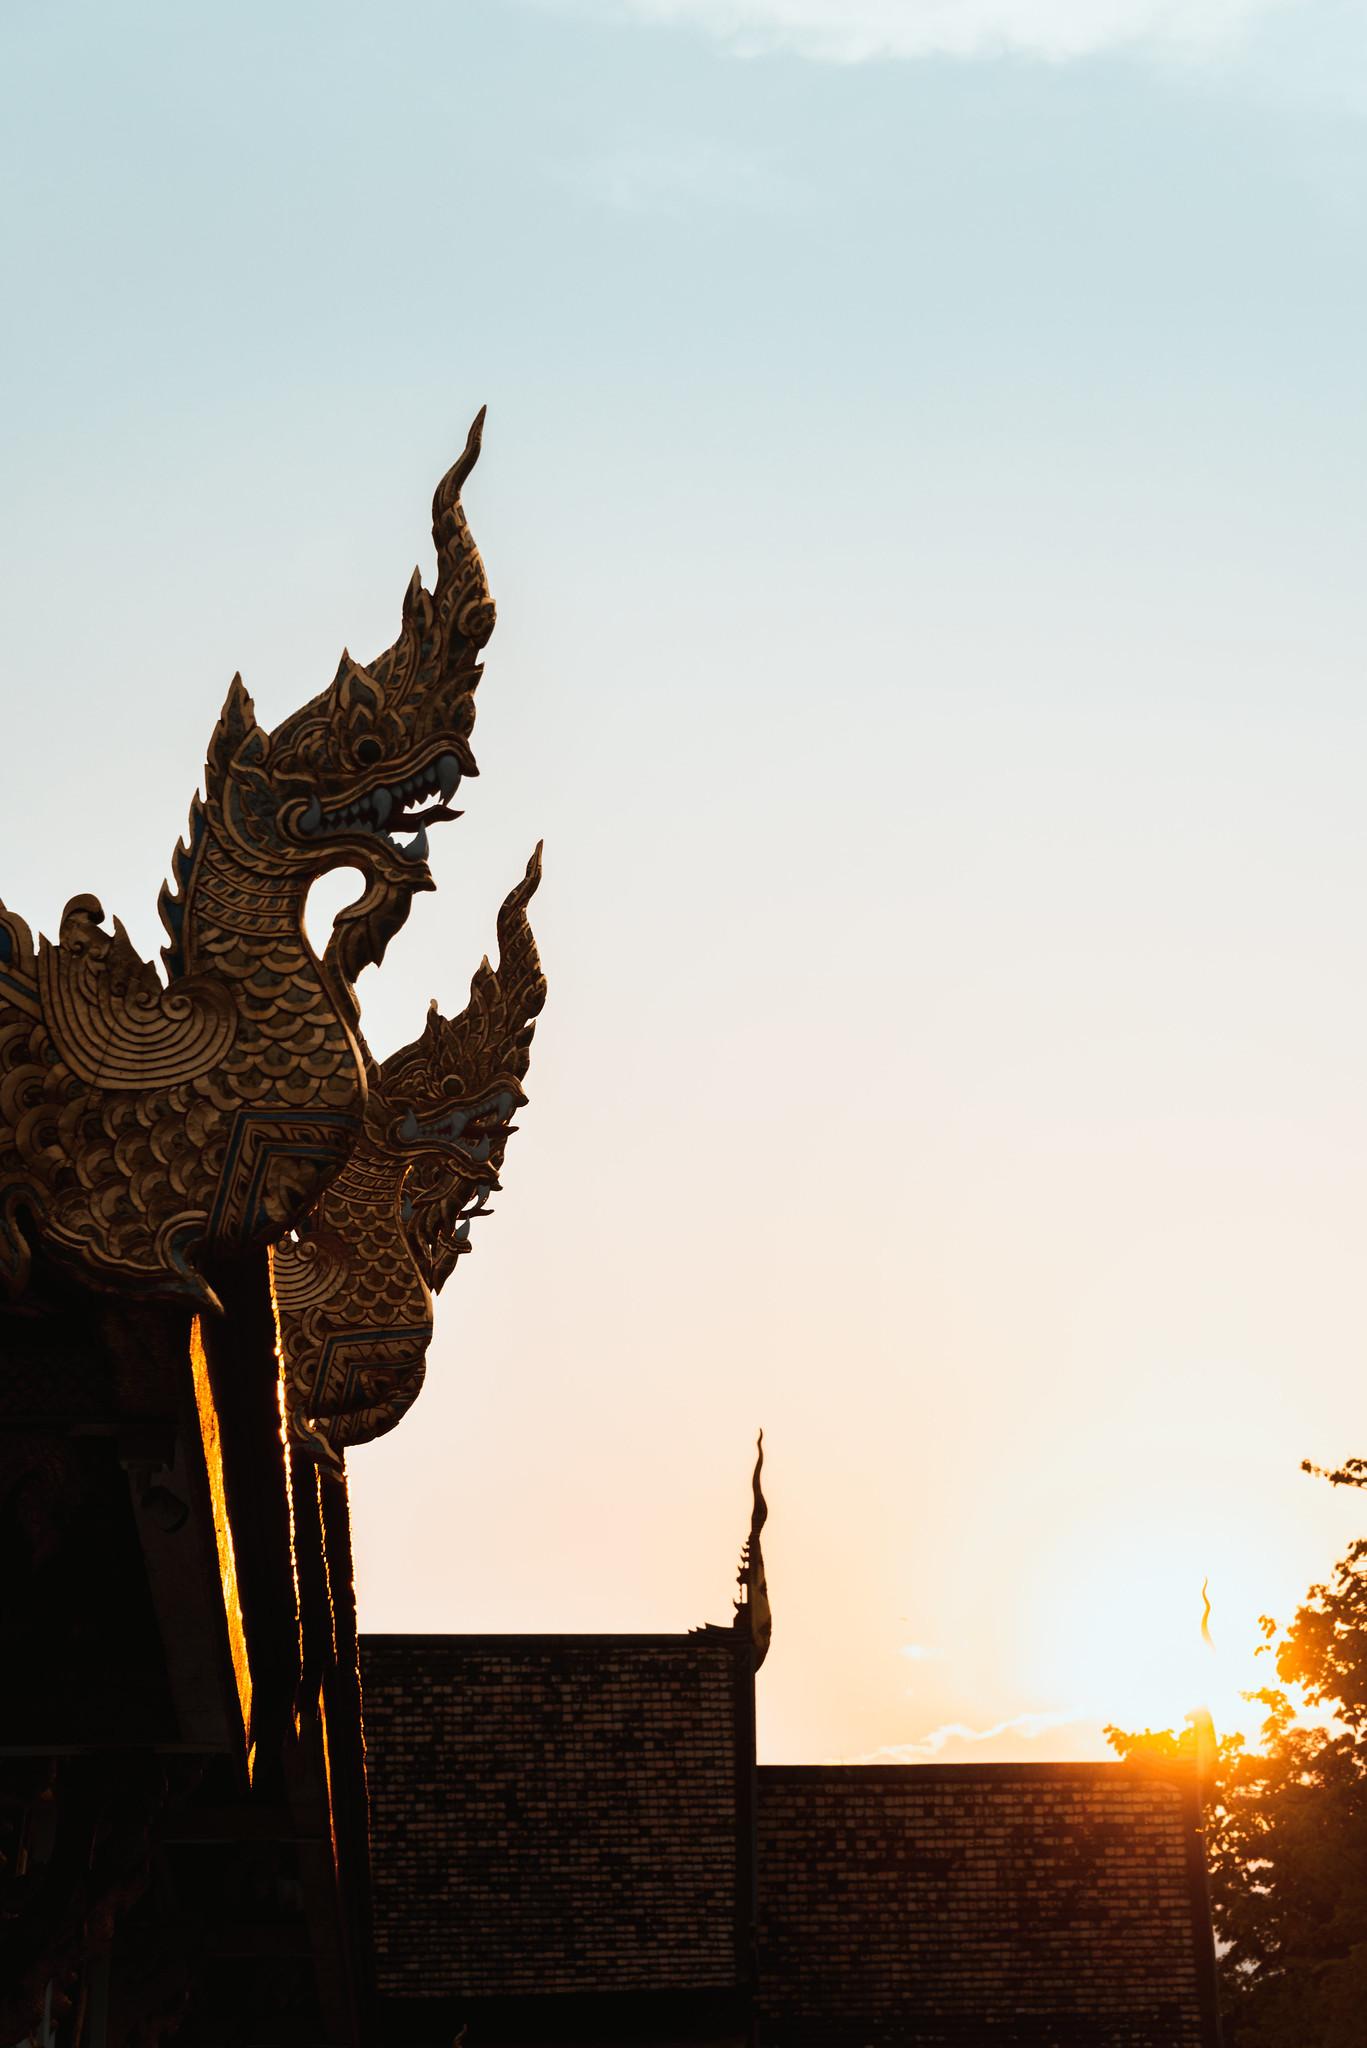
point(354, 1284)
point(143, 1125)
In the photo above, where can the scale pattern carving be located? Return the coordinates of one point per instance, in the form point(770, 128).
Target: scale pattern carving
point(354, 1288)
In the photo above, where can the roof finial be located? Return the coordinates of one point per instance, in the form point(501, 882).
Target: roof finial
point(753, 1610)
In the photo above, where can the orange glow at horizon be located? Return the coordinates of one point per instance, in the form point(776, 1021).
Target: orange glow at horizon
point(1148, 1658)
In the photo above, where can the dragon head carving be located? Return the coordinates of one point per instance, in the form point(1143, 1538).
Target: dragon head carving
point(354, 1286)
point(355, 777)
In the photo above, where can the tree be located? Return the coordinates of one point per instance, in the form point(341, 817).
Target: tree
point(1286, 1826)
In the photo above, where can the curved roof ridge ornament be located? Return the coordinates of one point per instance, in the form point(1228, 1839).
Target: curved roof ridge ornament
point(753, 1610)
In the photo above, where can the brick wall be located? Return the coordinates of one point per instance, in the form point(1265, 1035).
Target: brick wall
point(554, 1814)
point(976, 1905)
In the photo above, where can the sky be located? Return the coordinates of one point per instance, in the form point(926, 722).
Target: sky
point(925, 493)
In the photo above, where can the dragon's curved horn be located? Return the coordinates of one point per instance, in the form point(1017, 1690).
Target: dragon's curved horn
point(461, 597)
point(447, 493)
point(512, 913)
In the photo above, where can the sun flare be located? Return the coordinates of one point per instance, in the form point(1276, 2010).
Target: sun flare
point(1159, 1637)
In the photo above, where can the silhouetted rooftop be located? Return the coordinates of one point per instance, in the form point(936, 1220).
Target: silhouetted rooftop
point(558, 1814)
point(977, 1904)
point(564, 1830)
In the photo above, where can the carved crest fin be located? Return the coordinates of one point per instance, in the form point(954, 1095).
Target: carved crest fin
point(112, 1021)
point(236, 727)
point(174, 894)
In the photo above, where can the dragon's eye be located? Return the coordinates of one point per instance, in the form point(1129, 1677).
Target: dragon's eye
point(368, 749)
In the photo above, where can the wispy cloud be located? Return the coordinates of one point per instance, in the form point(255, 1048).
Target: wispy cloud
point(927, 1748)
point(921, 1653)
point(680, 176)
point(853, 31)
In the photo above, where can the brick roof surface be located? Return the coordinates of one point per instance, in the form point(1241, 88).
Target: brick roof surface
point(964, 1906)
point(554, 1814)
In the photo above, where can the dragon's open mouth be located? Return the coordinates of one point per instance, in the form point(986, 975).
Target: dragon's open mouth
point(454, 1219)
point(392, 808)
point(464, 1216)
point(470, 1130)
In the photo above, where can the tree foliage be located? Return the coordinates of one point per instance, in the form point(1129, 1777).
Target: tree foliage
point(1286, 1826)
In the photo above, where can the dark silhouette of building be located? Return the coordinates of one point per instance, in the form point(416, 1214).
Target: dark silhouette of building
point(571, 1842)
point(564, 1833)
point(984, 1903)
point(183, 1824)
point(563, 1839)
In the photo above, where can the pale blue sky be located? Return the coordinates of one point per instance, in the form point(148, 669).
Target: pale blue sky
point(926, 499)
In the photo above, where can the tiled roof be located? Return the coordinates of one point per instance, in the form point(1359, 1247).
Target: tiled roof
point(977, 1905)
point(556, 1814)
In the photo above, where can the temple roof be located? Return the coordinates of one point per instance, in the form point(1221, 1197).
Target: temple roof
point(983, 1904)
point(558, 1814)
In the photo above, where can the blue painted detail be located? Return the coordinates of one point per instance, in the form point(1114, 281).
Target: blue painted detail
point(27, 991)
